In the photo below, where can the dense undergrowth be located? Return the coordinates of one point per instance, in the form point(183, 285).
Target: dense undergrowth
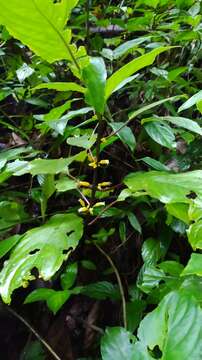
point(101, 180)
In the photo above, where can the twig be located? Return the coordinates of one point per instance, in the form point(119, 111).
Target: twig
point(102, 212)
point(119, 283)
point(47, 346)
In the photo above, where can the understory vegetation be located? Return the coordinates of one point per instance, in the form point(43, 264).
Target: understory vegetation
point(101, 180)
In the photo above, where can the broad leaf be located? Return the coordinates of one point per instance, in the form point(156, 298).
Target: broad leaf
point(195, 235)
point(175, 326)
point(44, 248)
point(180, 211)
point(65, 184)
point(132, 67)
point(40, 24)
point(54, 299)
point(7, 244)
point(194, 266)
point(85, 141)
point(161, 133)
point(94, 76)
point(151, 251)
point(167, 187)
point(116, 344)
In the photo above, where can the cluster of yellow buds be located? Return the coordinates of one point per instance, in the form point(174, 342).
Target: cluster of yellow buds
point(86, 208)
point(84, 184)
point(94, 163)
point(103, 185)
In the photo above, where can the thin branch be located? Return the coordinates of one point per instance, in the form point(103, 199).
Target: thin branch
point(119, 283)
point(102, 212)
point(47, 346)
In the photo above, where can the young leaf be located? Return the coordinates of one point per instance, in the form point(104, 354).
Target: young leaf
point(25, 19)
point(44, 248)
point(94, 76)
point(132, 67)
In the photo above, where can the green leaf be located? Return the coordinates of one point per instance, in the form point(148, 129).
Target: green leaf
point(69, 276)
point(44, 248)
point(192, 101)
point(60, 86)
point(142, 109)
point(94, 76)
point(155, 164)
point(195, 235)
point(180, 211)
point(149, 278)
point(161, 133)
point(171, 267)
point(25, 19)
point(65, 184)
point(24, 72)
point(151, 251)
point(12, 154)
point(54, 299)
point(116, 344)
point(181, 122)
point(134, 222)
point(7, 244)
point(134, 311)
point(125, 134)
point(59, 125)
point(127, 46)
point(174, 326)
point(101, 290)
point(167, 187)
point(132, 67)
point(85, 141)
point(194, 266)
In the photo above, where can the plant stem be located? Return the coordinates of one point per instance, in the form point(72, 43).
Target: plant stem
point(119, 283)
point(47, 346)
point(100, 132)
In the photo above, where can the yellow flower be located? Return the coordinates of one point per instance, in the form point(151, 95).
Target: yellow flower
point(84, 184)
point(104, 185)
